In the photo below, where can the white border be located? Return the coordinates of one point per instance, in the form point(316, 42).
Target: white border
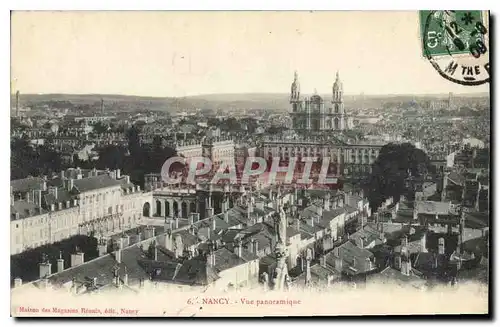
point(189, 5)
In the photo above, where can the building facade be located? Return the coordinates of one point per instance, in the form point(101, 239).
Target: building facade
point(45, 211)
point(349, 159)
point(314, 114)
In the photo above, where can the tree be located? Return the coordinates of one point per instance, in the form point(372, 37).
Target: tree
point(392, 168)
point(134, 141)
point(100, 128)
point(27, 160)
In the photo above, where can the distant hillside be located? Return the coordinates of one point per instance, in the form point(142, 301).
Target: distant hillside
point(272, 101)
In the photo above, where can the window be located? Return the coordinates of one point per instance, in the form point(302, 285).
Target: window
point(17, 225)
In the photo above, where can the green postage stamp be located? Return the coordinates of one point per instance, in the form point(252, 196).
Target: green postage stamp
point(456, 43)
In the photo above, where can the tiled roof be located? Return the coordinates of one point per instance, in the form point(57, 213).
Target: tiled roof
point(102, 268)
point(392, 275)
point(349, 209)
point(352, 256)
point(25, 209)
point(26, 184)
point(432, 207)
point(196, 272)
point(159, 270)
point(456, 178)
point(225, 259)
point(62, 196)
point(94, 183)
point(368, 234)
point(319, 275)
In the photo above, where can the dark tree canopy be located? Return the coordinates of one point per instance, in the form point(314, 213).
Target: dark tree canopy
point(27, 160)
point(393, 166)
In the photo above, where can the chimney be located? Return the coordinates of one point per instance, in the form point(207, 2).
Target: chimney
point(255, 246)
point(54, 192)
point(320, 212)
point(361, 243)
point(45, 269)
point(102, 248)
point(77, 259)
point(312, 221)
point(308, 271)
point(43, 185)
point(237, 248)
point(176, 223)
point(329, 280)
point(37, 198)
point(118, 174)
point(125, 278)
point(62, 175)
point(250, 246)
point(441, 247)
point(322, 261)
point(70, 184)
point(326, 202)
point(18, 282)
point(226, 216)
point(60, 263)
point(209, 212)
point(398, 262)
point(168, 240)
point(406, 267)
point(445, 184)
point(423, 242)
point(118, 255)
point(214, 224)
point(211, 258)
point(155, 253)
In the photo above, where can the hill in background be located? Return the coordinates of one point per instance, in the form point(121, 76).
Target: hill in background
point(270, 101)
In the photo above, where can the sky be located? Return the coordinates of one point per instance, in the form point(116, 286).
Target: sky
point(177, 54)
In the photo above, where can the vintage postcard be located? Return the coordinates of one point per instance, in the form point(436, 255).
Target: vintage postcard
point(249, 164)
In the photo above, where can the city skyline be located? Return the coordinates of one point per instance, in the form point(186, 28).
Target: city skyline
point(107, 53)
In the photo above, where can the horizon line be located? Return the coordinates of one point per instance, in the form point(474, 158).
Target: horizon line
point(246, 93)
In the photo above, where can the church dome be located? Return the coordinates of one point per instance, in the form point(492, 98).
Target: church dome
point(316, 99)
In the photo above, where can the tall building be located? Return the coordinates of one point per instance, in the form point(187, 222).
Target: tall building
point(17, 103)
point(312, 122)
point(49, 210)
point(314, 114)
point(102, 107)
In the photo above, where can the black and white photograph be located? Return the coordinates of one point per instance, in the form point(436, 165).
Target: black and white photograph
point(249, 163)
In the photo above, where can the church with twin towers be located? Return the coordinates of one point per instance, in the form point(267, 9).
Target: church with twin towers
point(313, 114)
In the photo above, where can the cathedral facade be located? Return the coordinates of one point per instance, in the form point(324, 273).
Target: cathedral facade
point(313, 114)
